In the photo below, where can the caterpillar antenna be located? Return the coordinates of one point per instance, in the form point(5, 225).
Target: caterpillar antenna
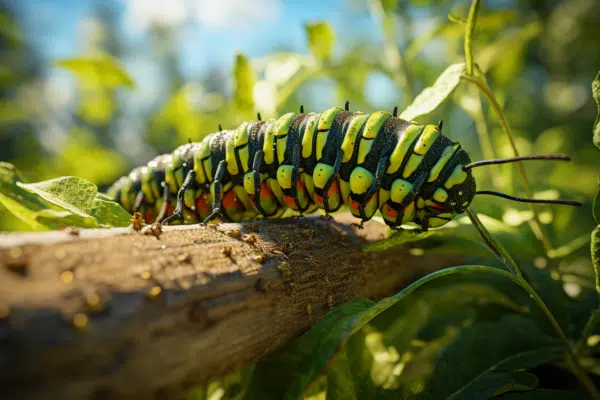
point(347, 106)
point(560, 157)
point(522, 200)
point(395, 112)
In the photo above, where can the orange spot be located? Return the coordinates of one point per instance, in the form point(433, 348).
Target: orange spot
point(202, 205)
point(170, 209)
point(390, 211)
point(437, 206)
point(354, 205)
point(149, 216)
point(333, 190)
point(289, 200)
point(231, 202)
point(319, 199)
point(265, 192)
point(300, 186)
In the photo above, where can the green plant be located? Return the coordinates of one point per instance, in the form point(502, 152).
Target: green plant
point(503, 326)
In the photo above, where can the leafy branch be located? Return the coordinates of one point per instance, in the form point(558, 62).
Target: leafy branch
point(517, 277)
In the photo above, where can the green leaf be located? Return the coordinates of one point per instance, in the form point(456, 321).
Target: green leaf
point(244, 83)
point(431, 97)
point(9, 28)
point(306, 357)
point(545, 394)
point(321, 38)
point(509, 42)
point(340, 383)
point(504, 376)
point(287, 374)
point(23, 213)
point(450, 31)
point(492, 356)
point(180, 114)
point(458, 230)
point(596, 95)
point(457, 19)
point(32, 210)
point(389, 5)
point(80, 197)
point(98, 72)
point(57, 203)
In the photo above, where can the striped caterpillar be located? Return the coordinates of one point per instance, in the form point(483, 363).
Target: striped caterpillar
point(308, 161)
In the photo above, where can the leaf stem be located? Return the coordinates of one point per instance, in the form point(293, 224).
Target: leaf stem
point(471, 22)
point(493, 244)
point(485, 140)
point(536, 225)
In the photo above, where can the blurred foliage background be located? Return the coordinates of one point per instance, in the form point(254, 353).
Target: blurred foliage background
point(197, 65)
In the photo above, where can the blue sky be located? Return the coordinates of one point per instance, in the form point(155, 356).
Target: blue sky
point(55, 27)
point(209, 32)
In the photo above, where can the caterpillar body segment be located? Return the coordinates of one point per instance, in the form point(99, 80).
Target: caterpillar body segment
point(307, 161)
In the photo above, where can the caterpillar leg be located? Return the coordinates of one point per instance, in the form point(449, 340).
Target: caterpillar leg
point(217, 188)
point(372, 189)
point(296, 176)
point(138, 201)
point(165, 205)
point(425, 224)
point(330, 181)
point(178, 213)
point(258, 157)
point(395, 213)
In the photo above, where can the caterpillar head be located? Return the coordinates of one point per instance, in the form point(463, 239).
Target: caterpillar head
point(440, 201)
point(451, 194)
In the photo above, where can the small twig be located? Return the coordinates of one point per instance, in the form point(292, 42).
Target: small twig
point(495, 246)
point(536, 225)
point(471, 22)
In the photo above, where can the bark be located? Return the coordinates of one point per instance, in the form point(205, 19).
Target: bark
point(117, 313)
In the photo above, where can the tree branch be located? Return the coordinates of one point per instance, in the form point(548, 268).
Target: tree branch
point(113, 313)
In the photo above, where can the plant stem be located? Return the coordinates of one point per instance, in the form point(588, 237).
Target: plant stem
point(519, 279)
point(493, 244)
point(471, 22)
point(572, 361)
point(485, 140)
point(536, 225)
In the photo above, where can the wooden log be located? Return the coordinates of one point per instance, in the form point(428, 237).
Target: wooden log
point(116, 313)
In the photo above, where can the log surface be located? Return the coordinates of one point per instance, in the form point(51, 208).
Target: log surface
point(116, 313)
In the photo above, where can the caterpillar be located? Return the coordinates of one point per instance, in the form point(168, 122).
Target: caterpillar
point(308, 161)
